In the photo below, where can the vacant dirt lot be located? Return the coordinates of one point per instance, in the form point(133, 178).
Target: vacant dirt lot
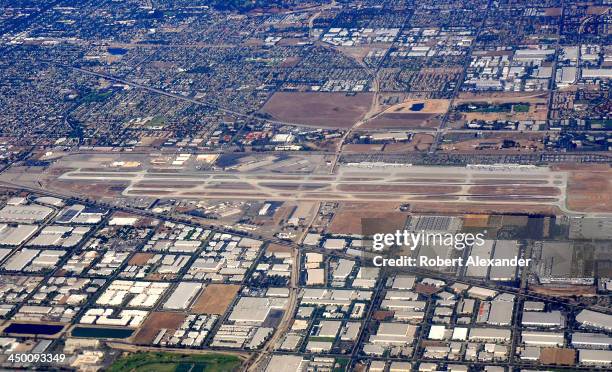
point(404, 120)
point(429, 106)
point(277, 248)
point(590, 190)
point(156, 321)
point(559, 356)
point(362, 147)
point(139, 259)
point(476, 220)
point(350, 222)
point(565, 291)
point(215, 299)
point(325, 110)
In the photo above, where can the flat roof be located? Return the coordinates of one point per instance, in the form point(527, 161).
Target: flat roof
point(24, 213)
point(504, 249)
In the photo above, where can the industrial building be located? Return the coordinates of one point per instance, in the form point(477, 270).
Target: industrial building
point(543, 338)
point(504, 249)
point(479, 252)
point(591, 340)
point(255, 310)
point(490, 335)
point(595, 357)
point(24, 213)
point(552, 319)
point(286, 363)
point(593, 319)
point(14, 235)
point(394, 334)
point(183, 295)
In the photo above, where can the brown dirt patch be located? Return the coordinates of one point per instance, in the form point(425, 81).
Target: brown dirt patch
point(349, 222)
point(156, 321)
point(419, 142)
point(564, 291)
point(381, 315)
point(432, 106)
point(277, 248)
point(558, 356)
point(476, 220)
point(597, 10)
point(362, 147)
point(404, 121)
point(553, 12)
point(140, 259)
point(590, 191)
point(215, 299)
point(326, 110)
point(91, 189)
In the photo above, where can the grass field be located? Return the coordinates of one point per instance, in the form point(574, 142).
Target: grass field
point(169, 362)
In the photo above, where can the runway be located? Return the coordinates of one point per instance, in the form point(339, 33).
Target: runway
point(401, 184)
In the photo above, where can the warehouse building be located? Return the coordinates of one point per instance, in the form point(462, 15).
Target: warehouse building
point(182, 296)
point(595, 357)
point(255, 309)
point(394, 334)
point(552, 319)
point(504, 249)
point(591, 340)
point(592, 319)
point(490, 335)
point(15, 235)
point(478, 252)
point(24, 213)
point(286, 363)
point(543, 339)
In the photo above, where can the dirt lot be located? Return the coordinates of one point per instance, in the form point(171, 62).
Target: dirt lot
point(156, 321)
point(326, 110)
point(277, 248)
point(476, 220)
point(565, 291)
point(553, 12)
point(431, 106)
point(215, 299)
point(590, 190)
point(106, 189)
point(404, 120)
point(558, 356)
point(419, 142)
point(348, 221)
point(362, 147)
point(139, 259)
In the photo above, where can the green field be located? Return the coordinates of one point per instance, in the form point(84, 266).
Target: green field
point(169, 362)
point(491, 108)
